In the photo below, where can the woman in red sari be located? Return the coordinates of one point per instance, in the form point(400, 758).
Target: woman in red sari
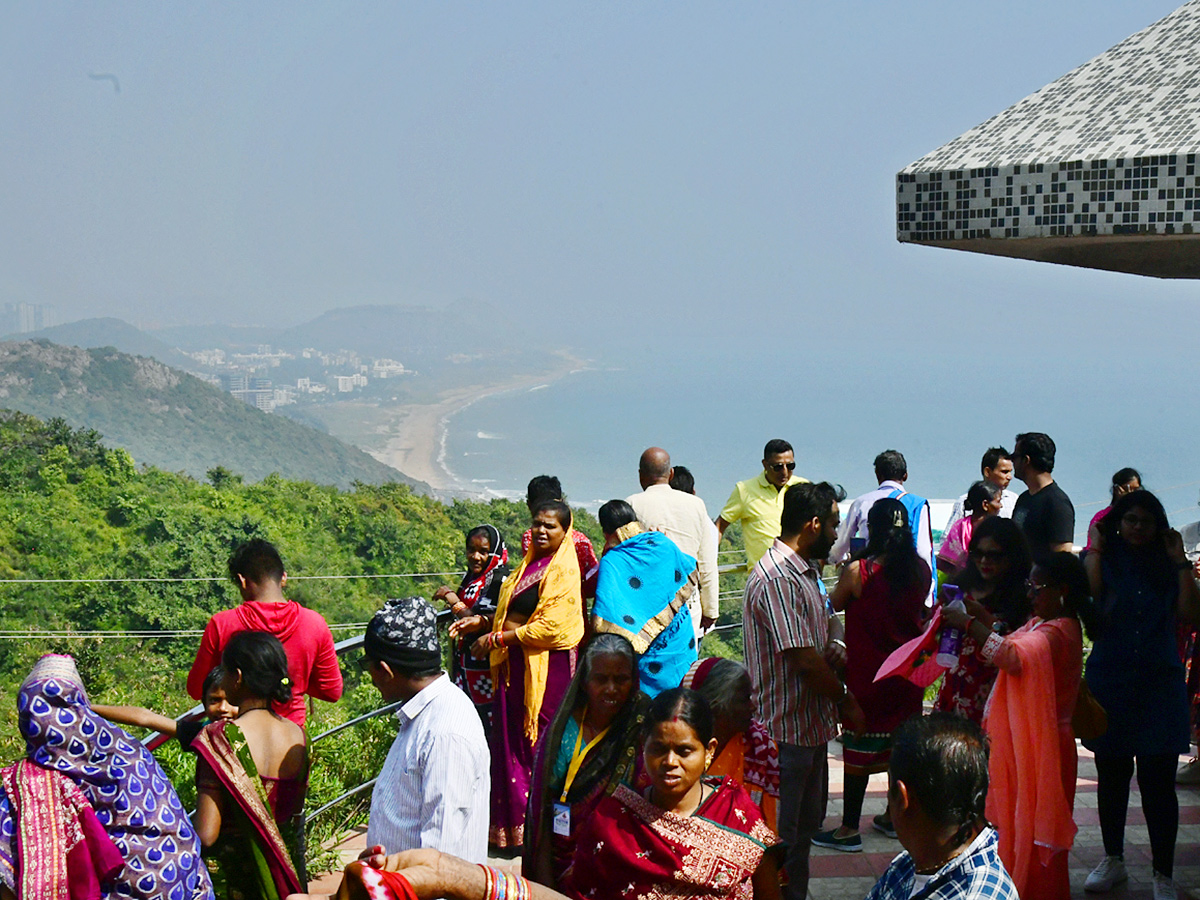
point(1033, 760)
point(883, 595)
point(251, 776)
point(685, 836)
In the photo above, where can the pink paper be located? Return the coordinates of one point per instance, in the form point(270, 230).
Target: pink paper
point(917, 659)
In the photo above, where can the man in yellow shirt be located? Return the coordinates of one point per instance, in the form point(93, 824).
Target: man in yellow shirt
point(758, 502)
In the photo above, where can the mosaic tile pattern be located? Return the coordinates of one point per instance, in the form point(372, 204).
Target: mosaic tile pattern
point(1108, 149)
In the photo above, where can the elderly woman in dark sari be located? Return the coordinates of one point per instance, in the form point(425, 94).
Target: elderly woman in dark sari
point(642, 595)
point(593, 745)
point(745, 751)
point(154, 853)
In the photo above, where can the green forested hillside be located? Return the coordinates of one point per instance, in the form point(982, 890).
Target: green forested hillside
point(81, 528)
point(71, 508)
point(173, 420)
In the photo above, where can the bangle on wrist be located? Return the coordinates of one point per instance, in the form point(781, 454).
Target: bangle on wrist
point(971, 620)
point(499, 884)
point(845, 694)
point(839, 642)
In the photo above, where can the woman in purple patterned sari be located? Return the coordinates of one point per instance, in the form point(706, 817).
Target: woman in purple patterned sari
point(130, 793)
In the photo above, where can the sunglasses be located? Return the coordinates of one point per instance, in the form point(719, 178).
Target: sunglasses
point(365, 663)
point(1033, 587)
point(779, 467)
point(989, 554)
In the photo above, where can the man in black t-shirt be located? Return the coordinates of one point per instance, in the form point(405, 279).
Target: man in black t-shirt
point(1043, 512)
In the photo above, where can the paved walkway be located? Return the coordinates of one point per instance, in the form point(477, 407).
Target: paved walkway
point(848, 876)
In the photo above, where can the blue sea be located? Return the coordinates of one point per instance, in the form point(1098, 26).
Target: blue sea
point(589, 427)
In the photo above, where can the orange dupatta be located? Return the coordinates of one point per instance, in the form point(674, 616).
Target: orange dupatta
point(556, 624)
point(1026, 797)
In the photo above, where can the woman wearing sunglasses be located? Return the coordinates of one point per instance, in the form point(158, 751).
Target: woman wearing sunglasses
point(1033, 762)
point(994, 581)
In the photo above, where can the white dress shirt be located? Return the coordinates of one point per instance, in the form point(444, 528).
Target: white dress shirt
point(684, 519)
point(435, 786)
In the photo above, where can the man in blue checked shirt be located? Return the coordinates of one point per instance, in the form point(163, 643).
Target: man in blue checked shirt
point(937, 788)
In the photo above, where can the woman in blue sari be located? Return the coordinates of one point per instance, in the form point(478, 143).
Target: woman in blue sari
point(642, 593)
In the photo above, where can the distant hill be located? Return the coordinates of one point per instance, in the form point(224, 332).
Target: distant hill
point(173, 420)
point(109, 332)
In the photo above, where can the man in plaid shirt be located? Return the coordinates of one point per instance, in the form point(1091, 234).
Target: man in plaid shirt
point(938, 780)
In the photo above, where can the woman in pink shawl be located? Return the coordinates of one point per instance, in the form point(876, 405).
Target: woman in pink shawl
point(1033, 760)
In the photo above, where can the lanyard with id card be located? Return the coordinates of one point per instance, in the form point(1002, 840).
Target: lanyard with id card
point(562, 811)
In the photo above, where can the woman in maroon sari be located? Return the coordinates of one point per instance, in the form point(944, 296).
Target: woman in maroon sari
point(883, 595)
point(684, 836)
point(251, 777)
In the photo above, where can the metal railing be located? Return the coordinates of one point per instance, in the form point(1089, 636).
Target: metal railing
point(348, 645)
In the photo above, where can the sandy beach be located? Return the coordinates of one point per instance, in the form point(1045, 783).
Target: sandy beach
point(414, 442)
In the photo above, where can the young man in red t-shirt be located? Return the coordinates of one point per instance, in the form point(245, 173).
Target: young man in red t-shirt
point(257, 569)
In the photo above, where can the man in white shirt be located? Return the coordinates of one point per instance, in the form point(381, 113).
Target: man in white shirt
point(684, 519)
point(891, 471)
point(435, 784)
point(996, 467)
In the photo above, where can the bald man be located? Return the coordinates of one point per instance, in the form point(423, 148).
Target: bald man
point(684, 519)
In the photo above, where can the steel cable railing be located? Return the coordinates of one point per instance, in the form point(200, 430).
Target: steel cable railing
point(348, 645)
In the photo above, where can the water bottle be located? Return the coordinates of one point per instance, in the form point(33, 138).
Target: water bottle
point(950, 642)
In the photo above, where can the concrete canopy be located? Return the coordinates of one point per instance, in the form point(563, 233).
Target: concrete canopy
point(1097, 169)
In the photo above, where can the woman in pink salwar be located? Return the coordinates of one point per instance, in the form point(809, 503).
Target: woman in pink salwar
point(1033, 760)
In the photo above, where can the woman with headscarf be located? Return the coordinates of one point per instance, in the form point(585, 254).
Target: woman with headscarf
point(745, 751)
point(473, 605)
point(642, 595)
point(131, 795)
point(883, 594)
point(593, 745)
point(531, 645)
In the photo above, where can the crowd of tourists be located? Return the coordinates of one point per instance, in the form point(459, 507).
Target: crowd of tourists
point(580, 734)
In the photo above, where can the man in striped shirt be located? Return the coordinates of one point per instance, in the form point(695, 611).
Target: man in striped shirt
point(788, 648)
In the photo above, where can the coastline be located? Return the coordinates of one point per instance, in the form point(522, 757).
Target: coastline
point(416, 442)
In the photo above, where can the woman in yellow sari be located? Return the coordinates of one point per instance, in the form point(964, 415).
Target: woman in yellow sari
point(531, 643)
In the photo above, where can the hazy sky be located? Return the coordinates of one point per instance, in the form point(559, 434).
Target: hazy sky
point(709, 184)
point(725, 166)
